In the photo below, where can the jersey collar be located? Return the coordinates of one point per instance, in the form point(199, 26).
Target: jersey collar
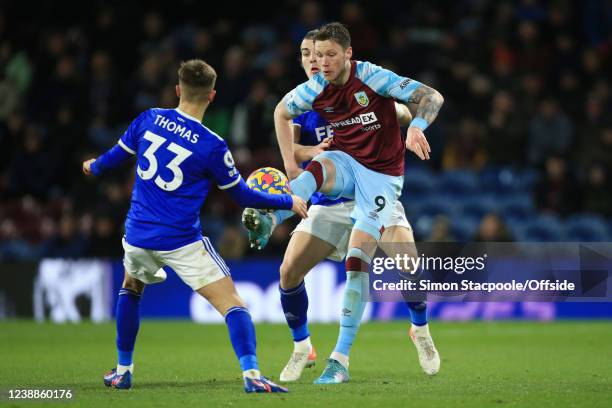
point(180, 112)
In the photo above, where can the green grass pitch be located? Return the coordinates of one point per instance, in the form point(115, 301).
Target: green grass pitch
point(182, 364)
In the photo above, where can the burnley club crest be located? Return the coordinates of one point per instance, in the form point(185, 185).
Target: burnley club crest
point(362, 98)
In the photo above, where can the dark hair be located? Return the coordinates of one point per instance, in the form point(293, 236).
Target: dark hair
point(196, 79)
point(336, 32)
point(311, 34)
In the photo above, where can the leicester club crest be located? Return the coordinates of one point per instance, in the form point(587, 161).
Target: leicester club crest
point(362, 98)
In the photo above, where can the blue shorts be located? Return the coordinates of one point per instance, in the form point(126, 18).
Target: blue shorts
point(374, 193)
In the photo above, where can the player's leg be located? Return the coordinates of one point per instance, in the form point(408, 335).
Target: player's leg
point(324, 234)
point(140, 267)
point(303, 253)
point(398, 239)
point(128, 321)
point(360, 251)
point(201, 267)
point(375, 195)
point(222, 296)
point(322, 174)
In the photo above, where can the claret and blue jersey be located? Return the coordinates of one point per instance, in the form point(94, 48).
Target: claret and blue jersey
point(313, 130)
point(178, 159)
point(361, 113)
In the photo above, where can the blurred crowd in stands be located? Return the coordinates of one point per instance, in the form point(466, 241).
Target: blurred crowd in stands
point(527, 85)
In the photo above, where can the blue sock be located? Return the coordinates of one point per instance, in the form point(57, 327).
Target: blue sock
point(353, 305)
point(303, 186)
point(242, 336)
point(295, 306)
point(128, 322)
point(418, 313)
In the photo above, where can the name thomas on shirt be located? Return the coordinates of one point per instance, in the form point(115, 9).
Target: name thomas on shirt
point(176, 128)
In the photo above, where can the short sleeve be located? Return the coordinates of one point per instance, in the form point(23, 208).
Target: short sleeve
point(301, 98)
point(223, 168)
point(129, 139)
point(386, 83)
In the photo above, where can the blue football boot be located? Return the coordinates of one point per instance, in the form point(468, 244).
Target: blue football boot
point(334, 373)
point(114, 380)
point(262, 384)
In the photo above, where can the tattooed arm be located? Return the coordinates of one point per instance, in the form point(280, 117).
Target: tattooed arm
point(426, 102)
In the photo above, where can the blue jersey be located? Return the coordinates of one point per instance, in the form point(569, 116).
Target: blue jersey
point(178, 159)
point(313, 129)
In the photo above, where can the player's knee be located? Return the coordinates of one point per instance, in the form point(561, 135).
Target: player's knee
point(133, 284)
point(222, 295)
point(290, 276)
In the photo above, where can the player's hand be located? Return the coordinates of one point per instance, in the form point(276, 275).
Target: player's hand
point(321, 147)
point(293, 171)
point(87, 166)
point(417, 143)
point(299, 206)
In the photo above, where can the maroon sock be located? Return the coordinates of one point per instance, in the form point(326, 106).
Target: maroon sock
point(316, 169)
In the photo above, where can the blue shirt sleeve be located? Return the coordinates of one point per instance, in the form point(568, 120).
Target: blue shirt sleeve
point(386, 83)
point(111, 159)
point(222, 167)
point(129, 139)
point(245, 197)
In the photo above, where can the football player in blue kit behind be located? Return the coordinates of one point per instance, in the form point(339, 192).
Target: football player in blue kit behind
point(178, 159)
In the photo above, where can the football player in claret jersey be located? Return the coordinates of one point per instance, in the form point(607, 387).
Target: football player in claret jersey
point(178, 160)
point(325, 234)
point(365, 162)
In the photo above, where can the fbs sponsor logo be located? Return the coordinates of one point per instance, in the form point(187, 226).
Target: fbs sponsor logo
point(362, 98)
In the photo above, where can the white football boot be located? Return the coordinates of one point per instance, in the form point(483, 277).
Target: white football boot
point(296, 365)
point(429, 359)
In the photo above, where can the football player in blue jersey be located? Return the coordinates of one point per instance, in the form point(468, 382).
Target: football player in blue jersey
point(325, 234)
point(177, 161)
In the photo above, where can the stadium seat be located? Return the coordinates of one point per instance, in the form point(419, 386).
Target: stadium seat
point(517, 208)
point(526, 179)
point(435, 205)
point(419, 181)
point(457, 183)
point(422, 226)
point(507, 180)
point(474, 208)
point(517, 229)
point(586, 228)
point(463, 229)
point(412, 203)
point(545, 228)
